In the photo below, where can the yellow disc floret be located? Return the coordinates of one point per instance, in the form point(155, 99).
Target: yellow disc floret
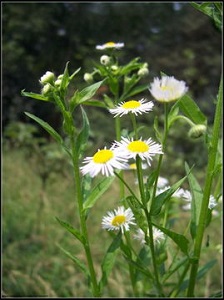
point(118, 220)
point(138, 146)
point(131, 104)
point(102, 156)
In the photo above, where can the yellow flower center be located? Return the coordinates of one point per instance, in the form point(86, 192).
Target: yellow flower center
point(138, 146)
point(118, 220)
point(133, 166)
point(166, 88)
point(131, 104)
point(110, 44)
point(102, 156)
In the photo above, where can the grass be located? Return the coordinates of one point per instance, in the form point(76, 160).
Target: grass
point(34, 266)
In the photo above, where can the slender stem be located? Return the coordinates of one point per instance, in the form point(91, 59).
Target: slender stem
point(151, 244)
point(133, 119)
point(163, 148)
point(207, 191)
point(79, 195)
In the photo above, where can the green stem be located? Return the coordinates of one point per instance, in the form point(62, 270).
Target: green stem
point(152, 248)
point(163, 149)
point(133, 119)
point(207, 191)
point(148, 217)
point(79, 195)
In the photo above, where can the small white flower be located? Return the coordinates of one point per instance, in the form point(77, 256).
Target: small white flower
point(132, 106)
point(158, 235)
point(105, 60)
point(48, 77)
point(162, 182)
point(145, 149)
point(118, 219)
point(212, 202)
point(47, 88)
point(110, 45)
point(104, 161)
point(167, 89)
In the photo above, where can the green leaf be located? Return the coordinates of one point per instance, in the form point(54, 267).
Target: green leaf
point(97, 191)
point(190, 109)
point(35, 96)
point(88, 92)
point(137, 90)
point(71, 229)
point(201, 272)
point(47, 127)
point(196, 202)
point(179, 239)
point(109, 260)
point(83, 136)
point(160, 200)
point(96, 103)
point(65, 78)
point(76, 260)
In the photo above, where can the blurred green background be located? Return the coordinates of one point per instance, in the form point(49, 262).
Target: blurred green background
point(171, 37)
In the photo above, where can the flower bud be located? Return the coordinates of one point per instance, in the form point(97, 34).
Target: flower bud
point(143, 72)
point(58, 82)
point(48, 77)
point(47, 88)
point(88, 77)
point(105, 60)
point(197, 131)
point(114, 68)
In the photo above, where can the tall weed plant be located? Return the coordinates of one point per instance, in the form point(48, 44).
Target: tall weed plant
point(162, 260)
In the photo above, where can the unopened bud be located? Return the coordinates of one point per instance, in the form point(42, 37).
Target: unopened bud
point(48, 77)
point(105, 60)
point(197, 131)
point(88, 77)
point(47, 88)
point(143, 72)
point(114, 68)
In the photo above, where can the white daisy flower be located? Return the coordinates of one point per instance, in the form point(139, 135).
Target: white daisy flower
point(110, 45)
point(145, 149)
point(132, 106)
point(158, 235)
point(167, 89)
point(118, 219)
point(104, 161)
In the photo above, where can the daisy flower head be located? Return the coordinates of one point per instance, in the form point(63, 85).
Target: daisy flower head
point(167, 89)
point(110, 45)
point(145, 149)
point(118, 219)
point(132, 106)
point(104, 161)
point(158, 235)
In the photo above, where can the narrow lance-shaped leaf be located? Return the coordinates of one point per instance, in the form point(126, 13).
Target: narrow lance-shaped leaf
point(82, 138)
point(160, 200)
point(109, 260)
point(190, 109)
point(196, 201)
point(179, 239)
point(88, 92)
point(97, 191)
point(47, 127)
point(35, 96)
point(71, 229)
point(77, 261)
